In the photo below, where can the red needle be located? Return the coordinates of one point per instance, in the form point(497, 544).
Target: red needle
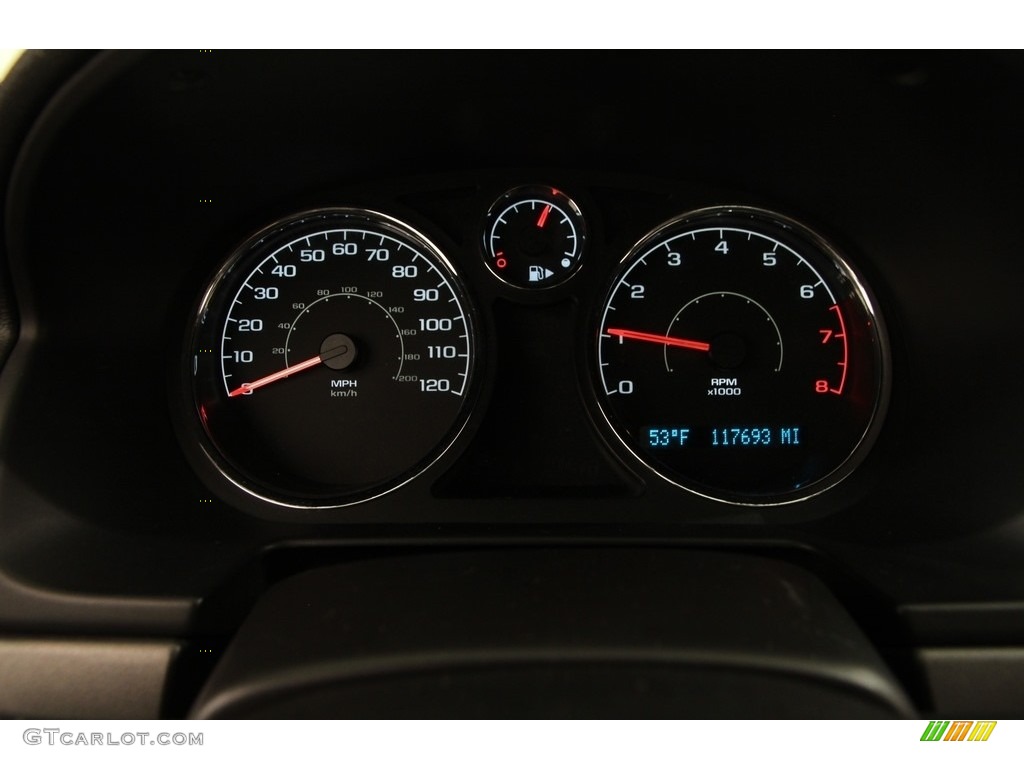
point(284, 373)
point(701, 346)
point(544, 216)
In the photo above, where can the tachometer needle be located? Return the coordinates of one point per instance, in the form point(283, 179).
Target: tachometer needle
point(671, 341)
point(544, 216)
point(284, 373)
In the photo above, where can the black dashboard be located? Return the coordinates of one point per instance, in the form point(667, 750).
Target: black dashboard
point(141, 188)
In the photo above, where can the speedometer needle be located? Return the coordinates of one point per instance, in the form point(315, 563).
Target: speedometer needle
point(284, 373)
point(671, 341)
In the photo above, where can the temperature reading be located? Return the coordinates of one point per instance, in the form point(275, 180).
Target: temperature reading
point(668, 437)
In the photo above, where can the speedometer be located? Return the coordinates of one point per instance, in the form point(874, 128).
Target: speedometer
point(332, 359)
point(740, 357)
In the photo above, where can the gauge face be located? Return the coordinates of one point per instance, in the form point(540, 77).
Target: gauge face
point(534, 237)
point(332, 359)
point(739, 357)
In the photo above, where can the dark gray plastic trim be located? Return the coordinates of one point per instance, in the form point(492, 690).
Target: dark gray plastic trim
point(432, 615)
point(70, 678)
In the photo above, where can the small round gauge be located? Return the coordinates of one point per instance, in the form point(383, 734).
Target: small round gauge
point(740, 357)
point(332, 359)
point(534, 237)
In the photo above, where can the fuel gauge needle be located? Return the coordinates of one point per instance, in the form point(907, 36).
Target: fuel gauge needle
point(671, 341)
point(543, 218)
point(284, 373)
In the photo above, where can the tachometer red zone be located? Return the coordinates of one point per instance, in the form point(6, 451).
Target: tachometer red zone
point(829, 336)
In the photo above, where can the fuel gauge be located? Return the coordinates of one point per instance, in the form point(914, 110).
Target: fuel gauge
point(534, 237)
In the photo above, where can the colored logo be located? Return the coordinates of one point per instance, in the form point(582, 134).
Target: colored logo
point(958, 730)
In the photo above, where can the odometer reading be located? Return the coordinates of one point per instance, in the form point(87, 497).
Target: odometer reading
point(739, 357)
point(332, 358)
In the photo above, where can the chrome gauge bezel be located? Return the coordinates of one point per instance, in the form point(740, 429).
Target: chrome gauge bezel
point(234, 483)
point(857, 287)
point(526, 193)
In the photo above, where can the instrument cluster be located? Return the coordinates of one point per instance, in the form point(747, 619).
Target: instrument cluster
point(726, 352)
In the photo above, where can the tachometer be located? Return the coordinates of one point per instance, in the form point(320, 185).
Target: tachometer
point(739, 356)
point(332, 359)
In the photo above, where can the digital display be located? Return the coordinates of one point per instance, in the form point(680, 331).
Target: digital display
point(755, 436)
point(668, 437)
point(724, 437)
